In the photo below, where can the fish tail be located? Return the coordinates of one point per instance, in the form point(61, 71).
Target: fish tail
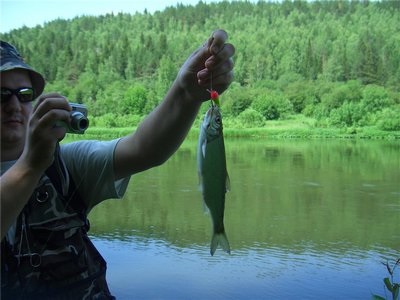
point(222, 240)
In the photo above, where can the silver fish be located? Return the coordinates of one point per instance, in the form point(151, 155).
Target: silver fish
point(213, 175)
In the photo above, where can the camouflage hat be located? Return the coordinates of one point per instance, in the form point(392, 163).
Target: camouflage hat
point(10, 59)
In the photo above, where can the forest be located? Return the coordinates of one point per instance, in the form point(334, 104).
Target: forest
point(336, 63)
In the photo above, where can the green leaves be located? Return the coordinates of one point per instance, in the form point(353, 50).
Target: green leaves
point(396, 288)
point(272, 105)
point(390, 285)
point(376, 297)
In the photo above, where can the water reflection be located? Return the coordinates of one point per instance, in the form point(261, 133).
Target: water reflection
point(154, 269)
point(305, 219)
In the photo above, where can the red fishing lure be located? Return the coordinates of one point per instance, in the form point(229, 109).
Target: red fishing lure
point(214, 96)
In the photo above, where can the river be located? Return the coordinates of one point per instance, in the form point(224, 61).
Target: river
point(306, 219)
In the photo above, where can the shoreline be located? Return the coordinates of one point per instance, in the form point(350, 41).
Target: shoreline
point(263, 132)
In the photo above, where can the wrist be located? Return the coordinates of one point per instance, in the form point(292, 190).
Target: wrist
point(189, 99)
point(32, 166)
point(25, 169)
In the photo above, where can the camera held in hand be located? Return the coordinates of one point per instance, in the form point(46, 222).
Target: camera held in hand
point(79, 121)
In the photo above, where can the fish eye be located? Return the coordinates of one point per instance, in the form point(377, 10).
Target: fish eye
point(218, 120)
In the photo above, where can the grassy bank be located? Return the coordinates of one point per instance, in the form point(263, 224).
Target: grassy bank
point(273, 129)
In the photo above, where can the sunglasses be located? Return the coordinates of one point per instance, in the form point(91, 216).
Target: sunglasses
point(24, 94)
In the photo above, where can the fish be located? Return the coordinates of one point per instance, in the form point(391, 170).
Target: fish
point(213, 175)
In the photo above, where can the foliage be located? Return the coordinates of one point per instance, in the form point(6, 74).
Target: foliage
point(272, 105)
point(133, 100)
point(346, 115)
point(335, 61)
point(300, 93)
point(237, 99)
point(389, 119)
point(108, 99)
point(115, 120)
point(251, 118)
point(375, 98)
point(390, 285)
point(341, 93)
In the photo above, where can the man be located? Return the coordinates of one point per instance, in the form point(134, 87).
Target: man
point(47, 190)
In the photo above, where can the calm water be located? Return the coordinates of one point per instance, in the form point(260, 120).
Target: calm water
point(306, 219)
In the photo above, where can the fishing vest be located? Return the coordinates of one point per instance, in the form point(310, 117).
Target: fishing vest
point(52, 256)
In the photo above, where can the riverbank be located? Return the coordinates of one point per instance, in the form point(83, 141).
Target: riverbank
point(294, 126)
point(271, 130)
point(314, 133)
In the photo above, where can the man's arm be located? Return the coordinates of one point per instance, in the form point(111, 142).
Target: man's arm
point(164, 129)
point(16, 186)
point(18, 183)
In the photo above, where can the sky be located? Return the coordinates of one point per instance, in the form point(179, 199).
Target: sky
point(15, 14)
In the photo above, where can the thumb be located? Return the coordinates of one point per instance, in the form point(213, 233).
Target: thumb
point(197, 59)
point(208, 53)
point(214, 44)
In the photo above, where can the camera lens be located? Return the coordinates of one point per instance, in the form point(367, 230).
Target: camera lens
point(79, 122)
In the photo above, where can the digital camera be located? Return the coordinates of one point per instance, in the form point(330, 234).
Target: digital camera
point(79, 121)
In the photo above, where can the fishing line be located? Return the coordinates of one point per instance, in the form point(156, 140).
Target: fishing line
point(211, 90)
point(211, 81)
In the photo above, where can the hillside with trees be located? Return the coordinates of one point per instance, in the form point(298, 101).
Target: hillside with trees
point(336, 62)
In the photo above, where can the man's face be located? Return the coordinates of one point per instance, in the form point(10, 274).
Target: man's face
point(14, 114)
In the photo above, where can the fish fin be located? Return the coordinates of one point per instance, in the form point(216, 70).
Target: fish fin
point(222, 240)
point(205, 208)
point(200, 182)
point(227, 183)
point(203, 147)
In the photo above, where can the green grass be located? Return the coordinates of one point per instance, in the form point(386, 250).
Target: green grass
point(295, 127)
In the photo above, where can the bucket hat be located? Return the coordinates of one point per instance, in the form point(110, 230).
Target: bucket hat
point(10, 59)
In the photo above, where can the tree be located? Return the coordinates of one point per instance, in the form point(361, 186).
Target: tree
point(315, 57)
point(272, 105)
point(133, 101)
point(166, 73)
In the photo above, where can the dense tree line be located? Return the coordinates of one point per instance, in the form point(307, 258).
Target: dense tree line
point(335, 61)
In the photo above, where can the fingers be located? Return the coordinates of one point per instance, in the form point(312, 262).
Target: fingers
point(52, 106)
point(43, 134)
point(219, 64)
point(217, 41)
point(218, 74)
point(225, 52)
point(211, 62)
point(223, 75)
point(50, 109)
point(51, 101)
point(213, 45)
